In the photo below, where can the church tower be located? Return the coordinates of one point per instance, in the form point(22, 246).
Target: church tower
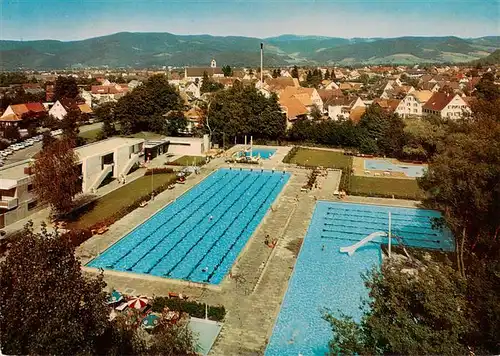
point(213, 64)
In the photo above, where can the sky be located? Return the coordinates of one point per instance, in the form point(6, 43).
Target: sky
point(79, 19)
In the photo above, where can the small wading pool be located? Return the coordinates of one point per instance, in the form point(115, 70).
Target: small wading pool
point(324, 277)
point(385, 165)
point(198, 236)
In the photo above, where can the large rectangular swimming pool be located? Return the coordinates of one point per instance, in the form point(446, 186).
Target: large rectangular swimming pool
point(324, 277)
point(199, 236)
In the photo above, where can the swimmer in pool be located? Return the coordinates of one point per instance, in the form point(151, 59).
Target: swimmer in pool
point(205, 269)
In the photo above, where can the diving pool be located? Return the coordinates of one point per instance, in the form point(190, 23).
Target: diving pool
point(385, 165)
point(264, 153)
point(325, 278)
point(198, 236)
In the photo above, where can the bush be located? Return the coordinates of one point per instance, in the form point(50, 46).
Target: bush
point(345, 179)
point(195, 309)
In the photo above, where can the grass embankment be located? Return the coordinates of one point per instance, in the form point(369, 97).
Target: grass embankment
point(107, 206)
point(385, 187)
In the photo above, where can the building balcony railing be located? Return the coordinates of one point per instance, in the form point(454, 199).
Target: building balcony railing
point(8, 202)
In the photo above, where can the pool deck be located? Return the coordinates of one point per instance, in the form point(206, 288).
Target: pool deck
point(252, 297)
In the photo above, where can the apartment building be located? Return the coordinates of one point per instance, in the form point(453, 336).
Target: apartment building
point(451, 106)
point(17, 196)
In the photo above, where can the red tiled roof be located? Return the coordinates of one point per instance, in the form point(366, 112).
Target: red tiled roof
point(438, 101)
point(356, 114)
point(389, 105)
point(35, 107)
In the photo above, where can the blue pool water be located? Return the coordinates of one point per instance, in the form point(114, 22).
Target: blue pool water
point(264, 153)
point(325, 278)
point(198, 237)
point(384, 165)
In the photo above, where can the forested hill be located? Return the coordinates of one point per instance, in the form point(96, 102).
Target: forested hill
point(141, 50)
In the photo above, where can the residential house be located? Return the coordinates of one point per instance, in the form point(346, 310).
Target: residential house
point(341, 107)
point(113, 157)
point(446, 105)
point(286, 74)
point(193, 91)
point(329, 96)
point(60, 109)
point(412, 104)
point(356, 114)
point(388, 105)
point(108, 93)
point(307, 96)
point(87, 97)
point(293, 109)
point(194, 118)
point(17, 198)
point(329, 85)
point(15, 114)
point(32, 88)
point(133, 84)
point(278, 84)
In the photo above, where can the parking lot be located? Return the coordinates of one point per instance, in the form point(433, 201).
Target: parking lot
point(29, 151)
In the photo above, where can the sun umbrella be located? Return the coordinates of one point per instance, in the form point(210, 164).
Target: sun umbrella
point(138, 302)
point(150, 321)
point(115, 297)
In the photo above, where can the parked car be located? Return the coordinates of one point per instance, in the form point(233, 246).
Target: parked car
point(6, 152)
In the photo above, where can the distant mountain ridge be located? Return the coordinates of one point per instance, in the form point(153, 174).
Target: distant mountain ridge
point(141, 50)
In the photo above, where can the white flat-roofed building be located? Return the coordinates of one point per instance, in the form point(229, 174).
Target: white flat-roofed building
point(115, 156)
point(17, 195)
point(179, 146)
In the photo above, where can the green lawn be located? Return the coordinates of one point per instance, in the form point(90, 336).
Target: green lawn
point(189, 160)
point(120, 198)
point(385, 187)
point(315, 158)
point(90, 135)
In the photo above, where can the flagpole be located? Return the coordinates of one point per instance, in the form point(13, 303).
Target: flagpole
point(261, 62)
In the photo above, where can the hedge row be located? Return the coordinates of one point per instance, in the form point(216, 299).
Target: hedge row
point(195, 309)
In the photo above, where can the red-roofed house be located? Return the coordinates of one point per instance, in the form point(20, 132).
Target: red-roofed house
point(16, 113)
point(61, 108)
point(446, 105)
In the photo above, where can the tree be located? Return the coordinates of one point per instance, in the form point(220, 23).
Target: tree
point(105, 112)
point(11, 133)
point(56, 175)
point(65, 87)
point(423, 137)
point(228, 72)
point(413, 309)
point(276, 73)
point(295, 72)
point(175, 123)
point(316, 113)
point(69, 126)
point(136, 110)
point(242, 110)
point(47, 305)
point(208, 85)
point(172, 339)
point(327, 74)
point(47, 139)
point(487, 89)
point(364, 78)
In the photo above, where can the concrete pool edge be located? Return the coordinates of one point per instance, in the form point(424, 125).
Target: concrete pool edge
point(152, 278)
